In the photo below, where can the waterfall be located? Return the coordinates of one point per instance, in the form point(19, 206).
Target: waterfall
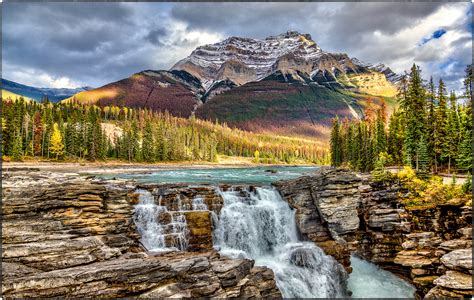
point(259, 225)
point(198, 203)
point(160, 230)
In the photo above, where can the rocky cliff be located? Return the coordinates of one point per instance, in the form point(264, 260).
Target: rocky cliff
point(345, 212)
point(65, 236)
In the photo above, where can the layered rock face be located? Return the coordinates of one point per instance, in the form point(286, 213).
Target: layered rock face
point(344, 212)
point(65, 236)
point(326, 209)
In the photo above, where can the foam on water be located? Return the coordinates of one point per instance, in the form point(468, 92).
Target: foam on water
point(369, 281)
point(155, 235)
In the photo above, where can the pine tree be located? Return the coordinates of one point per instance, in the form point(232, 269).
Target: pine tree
point(423, 156)
point(464, 149)
point(451, 140)
point(336, 143)
point(148, 143)
point(17, 149)
point(396, 136)
point(381, 137)
point(430, 120)
point(414, 110)
point(56, 146)
point(440, 124)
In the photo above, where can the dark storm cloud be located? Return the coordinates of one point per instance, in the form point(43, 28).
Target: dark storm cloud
point(96, 43)
point(81, 41)
point(155, 36)
point(345, 20)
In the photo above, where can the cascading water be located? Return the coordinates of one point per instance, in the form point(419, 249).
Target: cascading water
point(261, 226)
point(157, 234)
point(198, 203)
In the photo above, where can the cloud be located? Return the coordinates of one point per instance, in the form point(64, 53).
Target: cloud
point(96, 43)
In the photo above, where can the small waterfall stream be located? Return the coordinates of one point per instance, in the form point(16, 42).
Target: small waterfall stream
point(261, 226)
point(160, 230)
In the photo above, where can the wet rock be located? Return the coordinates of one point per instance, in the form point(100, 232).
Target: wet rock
point(454, 280)
point(458, 260)
point(440, 292)
point(200, 230)
point(466, 233)
point(177, 275)
point(455, 244)
point(413, 259)
point(326, 208)
point(410, 243)
point(424, 280)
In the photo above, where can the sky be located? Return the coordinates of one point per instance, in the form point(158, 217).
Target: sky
point(92, 44)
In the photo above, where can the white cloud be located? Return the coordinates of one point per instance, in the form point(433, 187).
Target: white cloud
point(38, 78)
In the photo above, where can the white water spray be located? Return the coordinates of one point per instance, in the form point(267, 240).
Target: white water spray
point(156, 233)
point(261, 226)
point(198, 203)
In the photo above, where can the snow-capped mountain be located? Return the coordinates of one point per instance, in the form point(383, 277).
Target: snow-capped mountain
point(294, 55)
point(53, 94)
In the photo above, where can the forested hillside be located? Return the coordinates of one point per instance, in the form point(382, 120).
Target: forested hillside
point(71, 131)
point(430, 132)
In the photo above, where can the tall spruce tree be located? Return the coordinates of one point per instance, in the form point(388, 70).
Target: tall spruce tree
point(451, 141)
point(336, 144)
point(148, 144)
point(414, 110)
point(430, 120)
point(423, 156)
point(440, 125)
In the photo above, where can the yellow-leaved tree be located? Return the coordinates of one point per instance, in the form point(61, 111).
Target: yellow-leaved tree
point(57, 145)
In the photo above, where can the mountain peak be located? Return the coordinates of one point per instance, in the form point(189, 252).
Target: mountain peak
point(290, 34)
point(257, 58)
point(291, 55)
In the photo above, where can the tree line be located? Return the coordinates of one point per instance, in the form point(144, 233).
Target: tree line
point(71, 131)
point(430, 130)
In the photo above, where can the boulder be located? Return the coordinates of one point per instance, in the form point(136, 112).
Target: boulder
point(413, 259)
point(458, 260)
point(455, 244)
point(455, 280)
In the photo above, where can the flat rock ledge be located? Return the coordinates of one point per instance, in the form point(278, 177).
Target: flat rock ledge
point(70, 236)
point(177, 275)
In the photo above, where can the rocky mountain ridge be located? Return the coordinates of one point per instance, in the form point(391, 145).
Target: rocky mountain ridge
point(293, 54)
